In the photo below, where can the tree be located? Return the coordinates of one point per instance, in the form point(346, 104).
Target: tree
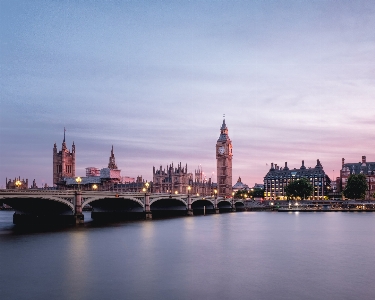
point(258, 193)
point(299, 188)
point(356, 187)
point(240, 194)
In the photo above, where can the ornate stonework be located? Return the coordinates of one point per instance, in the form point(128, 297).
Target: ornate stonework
point(112, 161)
point(171, 180)
point(64, 162)
point(224, 155)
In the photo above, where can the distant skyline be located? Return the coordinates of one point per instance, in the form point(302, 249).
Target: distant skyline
point(295, 80)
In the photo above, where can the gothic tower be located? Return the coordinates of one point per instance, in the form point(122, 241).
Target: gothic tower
point(64, 162)
point(112, 161)
point(224, 156)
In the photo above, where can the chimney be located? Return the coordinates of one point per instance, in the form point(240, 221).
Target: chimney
point(271, 165)
point(286, 164)
point(363, 159)
point(343, 161)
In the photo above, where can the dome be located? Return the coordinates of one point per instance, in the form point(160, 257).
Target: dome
point(239, 185)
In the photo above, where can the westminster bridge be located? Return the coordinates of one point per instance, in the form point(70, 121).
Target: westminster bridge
point(67, 205)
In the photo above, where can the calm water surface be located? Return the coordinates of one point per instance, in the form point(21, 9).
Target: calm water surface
point(248, 255)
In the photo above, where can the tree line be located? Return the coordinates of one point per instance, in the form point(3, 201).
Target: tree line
point(301, 188)
point(356, 188)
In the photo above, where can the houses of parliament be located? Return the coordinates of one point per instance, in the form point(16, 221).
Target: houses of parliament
point(172, 179)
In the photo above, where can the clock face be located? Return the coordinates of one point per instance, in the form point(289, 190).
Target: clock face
point(221, 150)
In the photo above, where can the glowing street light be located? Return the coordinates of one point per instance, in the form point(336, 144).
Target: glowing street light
point(94, 187)
point(18, 184)
point(176, 192)
point(79, 180)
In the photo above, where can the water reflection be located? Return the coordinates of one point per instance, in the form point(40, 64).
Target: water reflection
point(257, 255)
point(76, 268)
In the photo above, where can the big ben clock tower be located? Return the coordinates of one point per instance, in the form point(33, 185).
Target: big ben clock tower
point(224, 156)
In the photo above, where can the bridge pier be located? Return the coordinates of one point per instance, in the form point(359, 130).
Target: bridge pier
point(79, 217)
point(148, 213)
point(233, 206)
point(189, 211)
point(216, 209)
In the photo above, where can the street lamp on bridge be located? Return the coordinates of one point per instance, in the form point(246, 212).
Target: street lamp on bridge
point(94, 187)
point(79, 180)
point(18, 184)
point(145, 189)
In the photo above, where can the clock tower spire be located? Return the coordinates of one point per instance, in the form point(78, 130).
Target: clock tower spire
point(224, 157)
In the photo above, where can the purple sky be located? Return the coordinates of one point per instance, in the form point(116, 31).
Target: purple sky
point(295, 79)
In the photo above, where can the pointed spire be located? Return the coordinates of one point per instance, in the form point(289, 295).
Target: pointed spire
point(318, 164)
point(112, 161)
point(223, 126)
point(64, 135)
point(223, 132)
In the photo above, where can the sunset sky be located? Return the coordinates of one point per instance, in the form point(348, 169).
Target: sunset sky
point(295, 80)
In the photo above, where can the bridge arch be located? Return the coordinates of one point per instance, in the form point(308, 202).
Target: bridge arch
point(211, 200)
point(89, 200)
point(200, 204)
point(224, 203)
point(180, 199)
point(40, 204)
point(113, 203)
point(165, 203)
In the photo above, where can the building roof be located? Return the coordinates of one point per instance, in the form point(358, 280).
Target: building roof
point(239, 185)
point(366, 168)
point(223, 133)
point(276, 172)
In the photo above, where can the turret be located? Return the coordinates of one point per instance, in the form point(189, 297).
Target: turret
point(318, 164)
point(112, 161)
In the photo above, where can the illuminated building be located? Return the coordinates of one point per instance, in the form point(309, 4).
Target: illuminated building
point(278, 178)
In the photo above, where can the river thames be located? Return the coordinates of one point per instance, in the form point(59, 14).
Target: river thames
point(246, 255)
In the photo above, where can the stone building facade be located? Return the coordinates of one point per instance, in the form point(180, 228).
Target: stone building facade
point(363, 167)
point(17, 183)
point(64, 162)
point(172, 180)
point(103, 179)
point(278, 178)
point(224, 156)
